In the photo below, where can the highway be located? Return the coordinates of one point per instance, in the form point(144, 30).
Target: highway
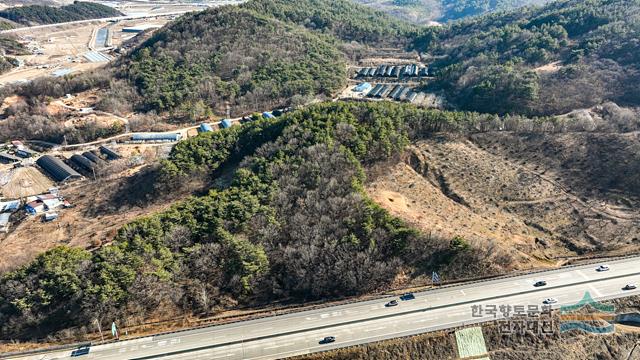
point(118, 18)
point(368, 321)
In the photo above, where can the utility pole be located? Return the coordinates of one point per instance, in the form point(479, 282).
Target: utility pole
point(99, 329)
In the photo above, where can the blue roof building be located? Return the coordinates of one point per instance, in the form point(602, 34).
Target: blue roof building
point(226, 123)
point(204, 127)
point(156, 137)
point(362, 87)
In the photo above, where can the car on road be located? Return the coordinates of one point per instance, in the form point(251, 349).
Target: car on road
point(81, 351)
point(391, 303)
point(328, 340)
point(540, 283)
point(407, 296)
point(602, 268)
point(630, 287)
point(550, 301)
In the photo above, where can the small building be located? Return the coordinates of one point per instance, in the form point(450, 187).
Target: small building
point(204, 127)
point(362, 87)
point(390, 70)
point(394, 91)
point(57, 169)
point(82, 162)
point(47, 217)
point(375, 90)
point(43, 203)
point(50, 204)
point(25, 153)
point(403, 94)
point(140, 28)
point(169, 137)
point(226, 123)
point(9, 206)
point(383, 91)
point(4, 222)
point(8, 158)
point(34, 207)
point(109, 153)
point(400, 93)
point(93, 157)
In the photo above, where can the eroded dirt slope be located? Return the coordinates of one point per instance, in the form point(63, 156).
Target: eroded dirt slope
point(543, 197)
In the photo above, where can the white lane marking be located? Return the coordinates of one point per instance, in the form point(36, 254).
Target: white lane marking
point(278, 346)
point(162, 343)
point(595, 291)
point(261, 329)
point(376, 329)
point(458, 314)
point(324, 316)
point(175, 341)
point(223, 356)
point(582, 274)
point(462, 292)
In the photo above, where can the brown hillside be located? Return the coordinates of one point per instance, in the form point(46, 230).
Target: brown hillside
point(541, 197)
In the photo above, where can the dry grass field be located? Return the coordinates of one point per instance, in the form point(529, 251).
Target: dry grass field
point(543, 197)
point(23, 181)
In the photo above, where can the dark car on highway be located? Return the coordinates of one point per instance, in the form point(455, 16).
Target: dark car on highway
point(328, 340)
point(540, 283)
point(407, 296)
point(81, 351)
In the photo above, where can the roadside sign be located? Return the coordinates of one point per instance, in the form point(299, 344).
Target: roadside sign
point(435, 278)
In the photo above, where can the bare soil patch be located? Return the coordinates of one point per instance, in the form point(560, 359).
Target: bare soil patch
point(22, 182)
point(544, 197)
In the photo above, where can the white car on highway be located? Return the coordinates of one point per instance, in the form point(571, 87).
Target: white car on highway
point(630, 287)
point(602, 268)
point(550, 301)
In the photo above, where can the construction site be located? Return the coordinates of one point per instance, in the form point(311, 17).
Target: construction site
point(62, 49)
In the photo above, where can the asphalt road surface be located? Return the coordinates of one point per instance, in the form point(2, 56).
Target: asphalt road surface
point(364, 322)
point(117, 18)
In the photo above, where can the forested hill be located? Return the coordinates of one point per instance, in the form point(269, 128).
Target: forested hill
point(39, 14)
point(426, 11)
point(458, 9)
point(232, 56)
point(566, 55)
point(342, 18)
point(295, 223)
point(9, 47)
